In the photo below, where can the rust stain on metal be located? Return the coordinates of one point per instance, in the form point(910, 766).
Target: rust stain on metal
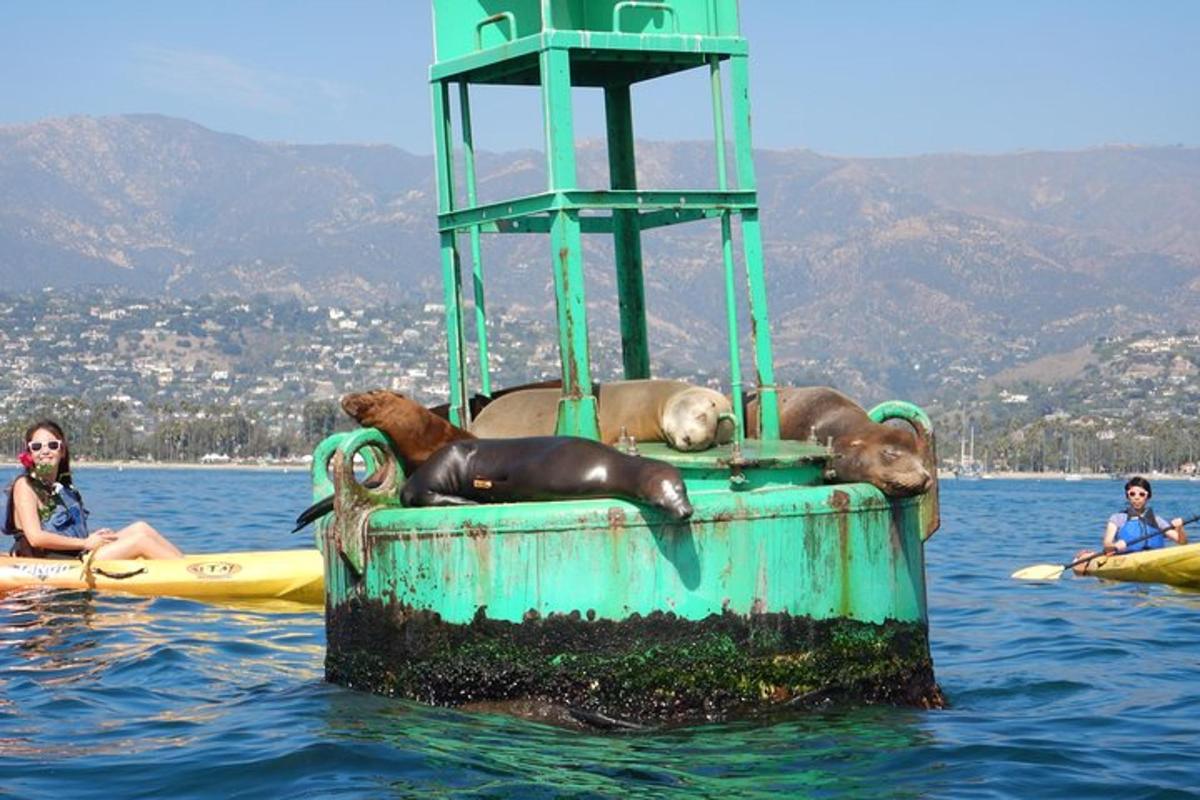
point(616, 519)
point(843, 525)
point(481, 543)
point(839, 500)
point(421, 536)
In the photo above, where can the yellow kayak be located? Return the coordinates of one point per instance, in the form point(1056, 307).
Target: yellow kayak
point(1176, 566)
point(296, 576)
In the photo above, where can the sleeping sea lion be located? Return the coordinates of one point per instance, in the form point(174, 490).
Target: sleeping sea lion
point(415, 434)
point(684, 416)
point(890, 458)
point(543, 468)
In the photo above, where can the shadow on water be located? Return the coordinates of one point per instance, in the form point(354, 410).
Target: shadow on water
point(445, 751)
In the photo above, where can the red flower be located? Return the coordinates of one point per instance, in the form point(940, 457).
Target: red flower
point(26, 459)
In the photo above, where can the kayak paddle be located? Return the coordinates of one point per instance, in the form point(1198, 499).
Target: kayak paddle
point(1052, 572)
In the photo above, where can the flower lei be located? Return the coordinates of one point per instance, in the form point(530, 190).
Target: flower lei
point(38, 473)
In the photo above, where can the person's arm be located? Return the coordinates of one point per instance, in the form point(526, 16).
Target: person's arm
point(25, 515)
point(1177, 533)
point(1110, 537)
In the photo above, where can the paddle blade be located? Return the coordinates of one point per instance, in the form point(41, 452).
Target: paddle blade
point(1040, 572)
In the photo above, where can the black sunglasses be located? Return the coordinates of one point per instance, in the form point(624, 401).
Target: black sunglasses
point(53, 444)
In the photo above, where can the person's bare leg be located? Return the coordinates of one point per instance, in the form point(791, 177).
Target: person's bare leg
point(139, 540)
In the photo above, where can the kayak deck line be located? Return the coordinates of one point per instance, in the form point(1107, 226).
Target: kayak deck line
point(293, 575)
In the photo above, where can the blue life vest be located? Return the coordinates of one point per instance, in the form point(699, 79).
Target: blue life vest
point(1136, 527)
point(69, 516)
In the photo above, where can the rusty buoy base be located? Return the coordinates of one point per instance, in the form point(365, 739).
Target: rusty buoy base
point(642, 671)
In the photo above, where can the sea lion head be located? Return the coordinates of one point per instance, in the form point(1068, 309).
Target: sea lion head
point(691, 419)
point(661, 485)
point(886, 457)
point(373, 407)
point(415, 432)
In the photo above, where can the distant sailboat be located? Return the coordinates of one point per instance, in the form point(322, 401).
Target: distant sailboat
point(968, 468)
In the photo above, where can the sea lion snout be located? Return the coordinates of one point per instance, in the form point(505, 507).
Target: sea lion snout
point(901, 472)
point(916, 480)
point(665, 489)
point(691, 419)
point(679, 507)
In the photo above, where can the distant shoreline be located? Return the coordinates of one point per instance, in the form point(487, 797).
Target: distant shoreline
point(291, 466)
point(298, 466)
point(945, 475)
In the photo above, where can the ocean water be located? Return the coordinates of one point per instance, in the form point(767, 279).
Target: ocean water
point(1075, 688)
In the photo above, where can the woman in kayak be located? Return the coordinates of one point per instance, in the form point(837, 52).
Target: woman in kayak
point(46, 514)
point(1137, 527)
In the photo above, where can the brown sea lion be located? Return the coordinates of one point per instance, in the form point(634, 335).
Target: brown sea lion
point(887, 457)
point(684, 416)
point(477, 402)
point(415, 434)
point(543, 468)
point(414, 431)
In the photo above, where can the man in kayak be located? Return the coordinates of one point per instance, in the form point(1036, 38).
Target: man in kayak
point(1138, 528)
point(46, 514)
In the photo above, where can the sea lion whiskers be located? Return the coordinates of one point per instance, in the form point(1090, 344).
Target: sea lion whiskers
point(663, 487)
point(673, 500)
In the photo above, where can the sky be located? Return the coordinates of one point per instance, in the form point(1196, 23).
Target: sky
point(842, 77)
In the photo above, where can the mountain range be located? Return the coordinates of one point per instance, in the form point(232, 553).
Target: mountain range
point(919, 277)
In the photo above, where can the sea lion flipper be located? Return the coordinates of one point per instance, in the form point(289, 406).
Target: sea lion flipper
point(314, 512)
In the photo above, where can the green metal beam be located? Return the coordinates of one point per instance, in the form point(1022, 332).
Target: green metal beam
point(477, 284)
point(731, 314)
point(675, 202)
point(760, 330)
point(627, 238)
point(577, 409)
point(451, 272)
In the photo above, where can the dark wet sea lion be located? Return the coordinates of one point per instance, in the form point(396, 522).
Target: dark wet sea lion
point(543, 468)
point(685, 416)
point(888, 457)
point(415, 434)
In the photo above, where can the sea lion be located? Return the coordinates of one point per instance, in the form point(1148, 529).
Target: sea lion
point(414, 431)
point(415, 434)
point(890, 458)
point(684, 416)
point(477, 402)
point(543, 468)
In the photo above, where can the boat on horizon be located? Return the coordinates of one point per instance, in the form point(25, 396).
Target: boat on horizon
point(968, 469)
